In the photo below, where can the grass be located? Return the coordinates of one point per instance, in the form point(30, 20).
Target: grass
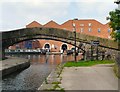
point(57, 82)
point(87, 63)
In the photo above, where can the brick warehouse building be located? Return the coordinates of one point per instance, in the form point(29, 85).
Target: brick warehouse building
point(87, 26)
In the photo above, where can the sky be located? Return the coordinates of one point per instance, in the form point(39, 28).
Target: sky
point(16, 14)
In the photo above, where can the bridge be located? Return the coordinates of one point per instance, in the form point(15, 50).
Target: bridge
point(10, 38)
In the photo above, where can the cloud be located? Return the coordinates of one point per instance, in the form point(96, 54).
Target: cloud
point(95, 10)
point(18, 13)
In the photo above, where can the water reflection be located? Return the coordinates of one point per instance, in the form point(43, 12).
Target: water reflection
point(32, 77)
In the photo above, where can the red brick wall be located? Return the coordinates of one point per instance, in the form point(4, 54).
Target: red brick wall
point(85, 25)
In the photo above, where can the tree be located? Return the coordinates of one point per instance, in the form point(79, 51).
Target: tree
point(114, 17)
point(115, 25)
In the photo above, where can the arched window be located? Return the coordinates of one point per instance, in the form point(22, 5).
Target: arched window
point(64, 47)
point(47, 46)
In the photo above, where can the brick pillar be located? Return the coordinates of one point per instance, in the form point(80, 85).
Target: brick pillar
point(2, 53)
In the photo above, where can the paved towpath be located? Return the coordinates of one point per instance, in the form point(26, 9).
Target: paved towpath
point(11, 61)
point(89, 78)
point(13, 64)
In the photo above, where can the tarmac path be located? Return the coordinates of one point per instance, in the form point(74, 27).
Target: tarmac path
point(89, 78)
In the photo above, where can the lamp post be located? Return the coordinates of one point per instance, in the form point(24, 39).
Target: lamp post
point(74, 30)
point(118, 2)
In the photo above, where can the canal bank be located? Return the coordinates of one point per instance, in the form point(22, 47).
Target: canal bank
point(74, 78)
point(53, 81)
point(13, 64)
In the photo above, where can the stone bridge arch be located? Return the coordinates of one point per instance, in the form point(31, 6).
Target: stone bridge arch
point(16, 36)
point(11, 37)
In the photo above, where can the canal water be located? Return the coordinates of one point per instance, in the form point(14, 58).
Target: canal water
point(32, 77)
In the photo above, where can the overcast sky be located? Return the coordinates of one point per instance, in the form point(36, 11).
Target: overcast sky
point(15, 14)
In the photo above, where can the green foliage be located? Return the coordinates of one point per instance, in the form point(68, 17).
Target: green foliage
point(117, 36)
point(56, 86)
point(57, 82)
point(115, 23)
point(87, 63)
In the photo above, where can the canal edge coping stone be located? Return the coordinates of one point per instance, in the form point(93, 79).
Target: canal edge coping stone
point(13, 64)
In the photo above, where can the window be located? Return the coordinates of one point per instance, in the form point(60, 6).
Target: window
point(109, 30)
point(81, 24)
point(89, 24)
point(89, 29)
point(81, 30)
point(99, 30)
